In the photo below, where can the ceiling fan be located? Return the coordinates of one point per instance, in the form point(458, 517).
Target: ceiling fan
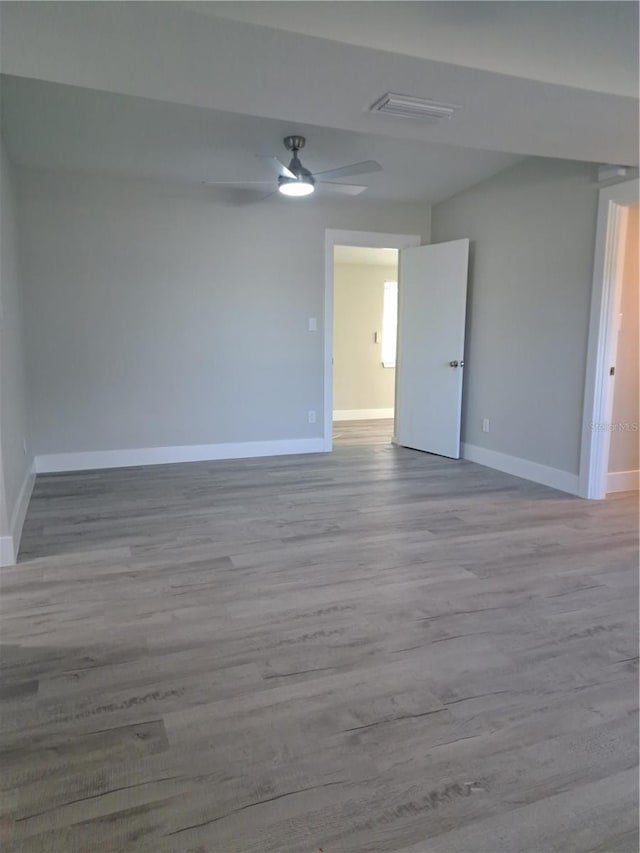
point(296, 181)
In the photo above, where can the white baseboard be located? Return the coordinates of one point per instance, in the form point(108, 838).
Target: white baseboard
point(623, 481)
point(10, 545)
point(361, 414)
point(543, 474)
point(84, 461)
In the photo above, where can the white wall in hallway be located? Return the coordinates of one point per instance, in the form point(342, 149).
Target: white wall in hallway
point(624, 450)
point(359, 379)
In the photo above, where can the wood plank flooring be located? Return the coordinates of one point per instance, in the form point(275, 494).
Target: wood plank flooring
point(372, 432)
point(364, 651)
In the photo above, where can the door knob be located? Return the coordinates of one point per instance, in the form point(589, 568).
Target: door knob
point(453, 364)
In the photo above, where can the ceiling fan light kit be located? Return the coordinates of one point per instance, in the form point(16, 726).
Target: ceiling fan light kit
point(295, 188)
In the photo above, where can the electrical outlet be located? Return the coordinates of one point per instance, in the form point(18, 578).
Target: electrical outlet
point(312, 416)
point(24, 446)
point(313, 324)
point(485, 425)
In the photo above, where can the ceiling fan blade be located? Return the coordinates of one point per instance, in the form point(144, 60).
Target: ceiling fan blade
point(237, 183)
point(340, 189)
point(252, 196)
point(345, 171)
point(278, 167)
point(239, 195)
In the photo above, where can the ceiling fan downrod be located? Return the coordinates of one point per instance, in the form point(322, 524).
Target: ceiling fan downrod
point(302, 175)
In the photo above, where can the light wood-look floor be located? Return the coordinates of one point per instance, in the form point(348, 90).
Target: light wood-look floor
point(373, 650)
point(368, 433)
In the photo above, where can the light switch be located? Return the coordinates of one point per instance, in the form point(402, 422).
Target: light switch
point(313, 324)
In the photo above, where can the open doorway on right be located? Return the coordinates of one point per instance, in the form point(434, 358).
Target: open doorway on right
point(365, 300)
point(624, 449)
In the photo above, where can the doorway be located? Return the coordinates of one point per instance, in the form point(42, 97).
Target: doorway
point(365, 323)
point(609, 454)
point(432, 287)
point(354, 240)
point(624, 450)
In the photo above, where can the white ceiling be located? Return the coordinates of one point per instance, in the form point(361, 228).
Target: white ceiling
point(187, 91)
point(49, 125)
point(362, 255)
point(591, 45)
point(169, 52)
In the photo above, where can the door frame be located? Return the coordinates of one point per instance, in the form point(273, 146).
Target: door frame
point(606, 292)
point(337, 237)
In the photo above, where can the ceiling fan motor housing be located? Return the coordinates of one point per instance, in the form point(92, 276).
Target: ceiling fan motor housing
point(303, 176)
point(299, 170)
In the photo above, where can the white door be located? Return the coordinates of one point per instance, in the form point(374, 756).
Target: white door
point(432, 296)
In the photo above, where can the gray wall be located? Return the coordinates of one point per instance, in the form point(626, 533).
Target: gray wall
point(532, 231)
point(624, 451)
point(157, 316)
point(15, 463)
point(359, 379)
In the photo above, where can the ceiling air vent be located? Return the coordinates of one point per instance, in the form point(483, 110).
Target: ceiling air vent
point(407, 107)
